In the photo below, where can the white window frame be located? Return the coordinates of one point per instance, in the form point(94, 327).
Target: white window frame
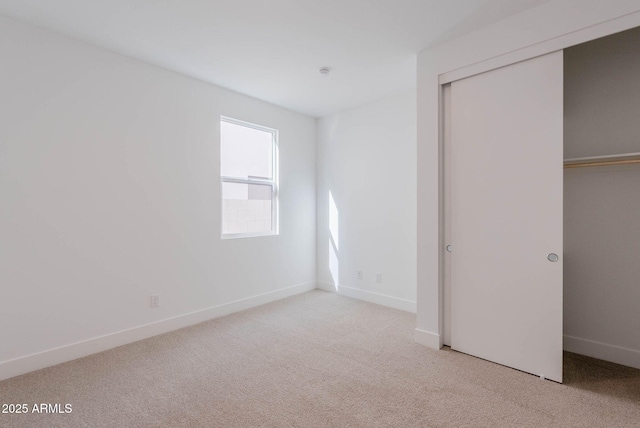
point(273, 182)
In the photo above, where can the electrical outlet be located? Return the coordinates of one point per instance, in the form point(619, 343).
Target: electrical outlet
point(154, 301)
point(379, 278)
point(359, 275)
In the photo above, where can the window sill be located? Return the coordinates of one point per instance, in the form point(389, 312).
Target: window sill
point(248, 235)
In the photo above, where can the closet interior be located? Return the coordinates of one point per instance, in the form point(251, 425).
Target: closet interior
point(602, 198)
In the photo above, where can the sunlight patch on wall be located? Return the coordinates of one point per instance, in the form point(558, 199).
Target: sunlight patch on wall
point(334, 263)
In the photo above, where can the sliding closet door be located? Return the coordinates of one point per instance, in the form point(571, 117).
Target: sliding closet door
point(506, 215)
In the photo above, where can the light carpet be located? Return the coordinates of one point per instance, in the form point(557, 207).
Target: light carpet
point(316, 360)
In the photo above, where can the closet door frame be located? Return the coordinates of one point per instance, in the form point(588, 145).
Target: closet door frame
point(577, 37)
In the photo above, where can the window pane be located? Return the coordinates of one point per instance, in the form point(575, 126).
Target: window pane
point(245, 152)
point(246, 208)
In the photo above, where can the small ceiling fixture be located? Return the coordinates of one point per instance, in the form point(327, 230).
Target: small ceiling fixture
point(325, 71)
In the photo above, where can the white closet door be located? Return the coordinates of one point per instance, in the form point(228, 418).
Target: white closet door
point(506, 215)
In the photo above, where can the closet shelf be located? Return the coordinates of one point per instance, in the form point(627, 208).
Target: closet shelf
point(620, 159)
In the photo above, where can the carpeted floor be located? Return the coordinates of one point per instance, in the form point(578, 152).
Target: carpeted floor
point(316, 360)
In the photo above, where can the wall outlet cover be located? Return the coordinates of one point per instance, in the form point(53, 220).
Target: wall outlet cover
point(154, 301)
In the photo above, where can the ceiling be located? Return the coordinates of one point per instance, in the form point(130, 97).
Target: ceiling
point(273, 49)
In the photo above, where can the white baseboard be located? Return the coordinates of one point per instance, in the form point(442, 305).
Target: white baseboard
point(603, 351)
point(369, 296)
point(70, 352)
point(428, 339)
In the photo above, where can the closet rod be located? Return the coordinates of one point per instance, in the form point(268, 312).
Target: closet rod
point(602, 163)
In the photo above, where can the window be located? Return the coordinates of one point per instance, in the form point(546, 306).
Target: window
point(249, 179)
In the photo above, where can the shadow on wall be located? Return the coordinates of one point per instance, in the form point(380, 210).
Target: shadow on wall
point(334, 263)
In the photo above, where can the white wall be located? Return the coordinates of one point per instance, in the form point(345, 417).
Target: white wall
point(366, 165)
point(551, 26)
point(602, 96)
point(602, 227)
point(109, 182)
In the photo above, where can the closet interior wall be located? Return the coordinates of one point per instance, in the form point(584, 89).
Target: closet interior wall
point(602, 204)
